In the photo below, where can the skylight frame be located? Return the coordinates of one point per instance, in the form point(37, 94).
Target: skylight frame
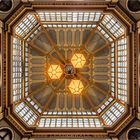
point(35, 105)
point(103, 106)
point(113, 25)
point(70, 113)
point(105, 34)
point(23, 28)
point(26, 113)
point(22, 65)
point(79, 123)
point(63, 16)
point(74, 25)
point(112, 49)
point(113, 71)
point(26, 69)
point(17, 69)
point(114, 113)
point(122, 69)
point(36, 30)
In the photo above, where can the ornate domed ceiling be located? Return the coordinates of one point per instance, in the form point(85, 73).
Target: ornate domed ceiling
point(81, 41)
point(69, 68)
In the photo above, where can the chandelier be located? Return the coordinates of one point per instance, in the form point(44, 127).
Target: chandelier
point(77, 61)
point(76, 86)
point(55, 71)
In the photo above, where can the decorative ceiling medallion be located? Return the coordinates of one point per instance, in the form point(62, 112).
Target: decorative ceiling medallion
point(78, 60)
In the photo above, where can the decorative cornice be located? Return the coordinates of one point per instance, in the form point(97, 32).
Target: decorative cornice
point(93, 133)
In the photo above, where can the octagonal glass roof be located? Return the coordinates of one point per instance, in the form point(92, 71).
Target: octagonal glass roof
point(46, 37)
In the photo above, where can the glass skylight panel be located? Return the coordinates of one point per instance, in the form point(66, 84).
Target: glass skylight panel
point(119, 107)
point(47, 16)
point(69, 122)
point(70, 113)
point(70, 25)
point(113, 25)
point(97, 123)
point(17, 69)
point(26, 113)
point(122, 69)
point(42, 122)
point(35, 106)
point(34, 34)
point(100, 109)
point(58, 123)
point(104, 33)
point(97, 16)
point(26, 25)
point(26, 76)
point(18, 64)
point(47, 122)
point(113, 113)
point(112, 69)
